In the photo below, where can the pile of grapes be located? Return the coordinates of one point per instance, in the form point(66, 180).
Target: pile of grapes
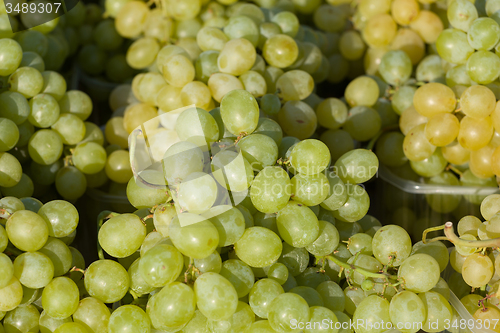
point(248, 184)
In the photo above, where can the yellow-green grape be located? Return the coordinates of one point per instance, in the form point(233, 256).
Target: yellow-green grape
point(196, 93)
point(262, 294)
point(434, 98)
point(70, 183)
point(23, 318)
point(193, 235)
point(216, 297)
point(355, 207)
point(187, 28)
point(389, 149)
point(254, 83)
point(236, 57)
point(477, 270)
point(295, 85)
point(229, 222)
point(416, 146)
point(480, 162)
point(92, 313)
point(166, 53)
point(483, 67)
point(106, 280)
point(169, 98)
point(14, 106)
point(71, 327)
point(280, 51)
point(407, 311)
point(475, 134)
point(149, 267)
point(60, 298)
point(142, 197)
point(77, 103)
point(115, 132)
point(483, 33)
point(129, 318)
point(310, 190)
point(239, 111)
point(477, 102)
point(263, 191)
point(395, 67)
point(379, 30)
point(327, 240)
point(452, 45)
point(331, 113)
point(211, 38)
point(8, 269)
point(206, 65)
point(404, 12)
point(220, 84)
point(468, 225)
point(71, 128)
point(198, 126)
point(130, 19)
point(178, 70)
point(9, 136)
point(197, 193)
point(146, 87)
point(259, 150)
point(338, 142)
point(89, 157)
point(438, 311)
point(32, 59)
point(27, 81)
point(395, 244)
point(471, 302)
point(409, 119)
point(442, 129)
point(446, 203)
point(267, 30)
point(240, 26)
point(23, 220)
point(45, 147)
point(413, 270)
point(11, 55)
point(428, 25)
point(183, 10)
point(489, 206)
point(294, 217)
point(165, 309)
point(258, 247)
point(118, 167)
point(362, 91)
point(158, 26)
point(356, 166)
point(362, 123)
point(239, 274)
point(122, 235)
point(431, 166)
point(297, 119)
point(106, 36)
point(373, 310)
point(310, 157)
point(461, 14)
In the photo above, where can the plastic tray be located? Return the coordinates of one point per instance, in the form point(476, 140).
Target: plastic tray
point(395, 200)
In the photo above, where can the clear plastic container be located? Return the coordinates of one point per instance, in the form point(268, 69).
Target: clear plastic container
point(417, 206)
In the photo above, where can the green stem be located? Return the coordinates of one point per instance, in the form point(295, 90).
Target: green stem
point(360, 270)
point(14, 251)
point(450, 235)
point(426, 231)
point(105, 215)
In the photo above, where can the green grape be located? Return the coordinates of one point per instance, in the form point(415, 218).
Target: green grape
point(362, 91)
point(229, 222)
point(310, 157)
point(402, 99)
point(327, 241)
point(471, 302)
point(269, 103)
point(240, 26)
point(332, 295)
point(280, 51)
point(431, 166)
point(137, 283)
point(22, 319)
point(483, 34)
point(106, 280)
point(461, 14)
point(71, 327)
point(152, 263)
point(372, 310)
point(294, 85)
point(295, 259)
point(312, 277)
point(44, 111)
point(32, 59)
point(60, 298)
point(172, 307)
point(197, 324)
point(26, 130)
point(437, 250)
point(391, 241)
point(310, 295)
point(211, 38)
point(395, 67)
point(389, 148)
point(23, 220)
point(129, 318)
point(287, 309)
point(297, 224)
point(206, 65)
point(180, 160)
point(9, 136)
point(193, 235)
point(420, 272)
point(261, 295)
point(33, 269)
point(77, 103)
point(54, 84)
point(489, 206)
point(240, 112)
point(212, 263)
point(93, 133)
point(45, 147)
point(468, 225)
point(122, 235)
point(356, 206)
point(61, 217)
point(11, 55)
point(27, 81)
point(323, 319)
point(270, 190)
point(239, 274)
point(49, 324)
point(337, 196)
point(70, 183)
point(78, 261)
point(14, 106)
point(216, 297)
point(59, 254)
point(70, 128)
point(356, 166)
point(11, 295)
point(270, 128)
point(4, 240)
point(360, 243)
point(150, 241)
point(310, 190)
point(477, 270)
point(331, 113)
point(483, 67)
point(407, 312)
point(24, 188)
point(258, 247)
point(89, 158)
point(266, 220)
point(236, 57)
point(442, 288)
point(288, 22)
point(198, 126)
point(118, 167)
point(438, 311)
point(142, 197)
point(297, 119)
point(278, 272)
point(259, 150)
point(363, 123)
point(7, 270)
point(162, 217)
point(93, 314)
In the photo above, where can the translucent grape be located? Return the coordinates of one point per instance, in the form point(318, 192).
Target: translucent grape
point(240, 112)
point(122, 235)
point(258, 247)
point(193, 235)
point(216, 298)
point(129, 318)
point(106, 280)
point(477, 270)
point(297, 224)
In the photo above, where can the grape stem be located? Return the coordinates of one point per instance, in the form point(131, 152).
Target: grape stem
point(452, 237)
point(13, 251)
point(76, 269)
point(426, 231)
point(362, 271)
point(105, 215)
